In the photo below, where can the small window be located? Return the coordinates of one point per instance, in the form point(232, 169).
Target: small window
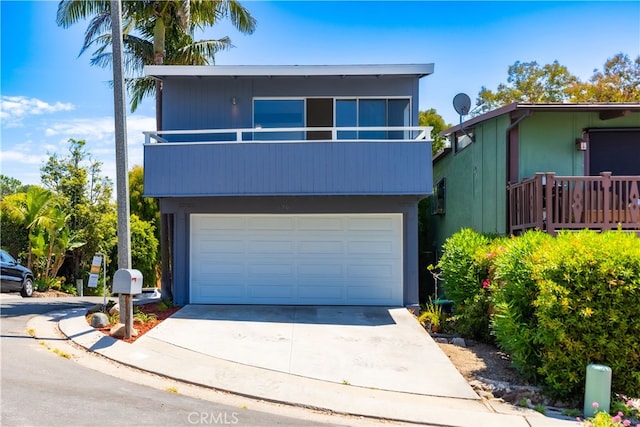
point(438, 199)
point(463, 140)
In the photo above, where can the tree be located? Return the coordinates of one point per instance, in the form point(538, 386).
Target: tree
point(155, 33)
point(9, 185)
point(33, 211)
point(86, 200)
point(146, 209)
point(619, 81)
point(144, 249)
point(528, 82)
point(431, 118)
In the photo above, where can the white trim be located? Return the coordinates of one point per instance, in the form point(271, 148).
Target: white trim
point(160, 71)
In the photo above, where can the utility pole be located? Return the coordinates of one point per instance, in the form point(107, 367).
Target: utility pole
point(122, 178)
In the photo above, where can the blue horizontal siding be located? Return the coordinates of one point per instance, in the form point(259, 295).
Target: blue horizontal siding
point(306, 168)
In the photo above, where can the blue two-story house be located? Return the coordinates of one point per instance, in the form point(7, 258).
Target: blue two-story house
point(290, 184)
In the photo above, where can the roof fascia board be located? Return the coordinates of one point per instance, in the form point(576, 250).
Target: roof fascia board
point(605, 110)
point(161, 71)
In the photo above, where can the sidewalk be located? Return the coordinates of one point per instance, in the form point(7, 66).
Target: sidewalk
point(189, 366)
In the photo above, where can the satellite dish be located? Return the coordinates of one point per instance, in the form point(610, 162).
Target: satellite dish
point(462, 104)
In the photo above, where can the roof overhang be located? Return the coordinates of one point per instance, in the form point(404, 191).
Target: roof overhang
point(606, 111)
point(374, 70)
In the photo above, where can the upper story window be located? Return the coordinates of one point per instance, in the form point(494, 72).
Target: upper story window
point(279, 113)
point(462, 141)
point(332, 112)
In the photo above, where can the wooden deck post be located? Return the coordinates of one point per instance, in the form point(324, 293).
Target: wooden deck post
point(538, 209)
point(606, 192)
point(550, 183)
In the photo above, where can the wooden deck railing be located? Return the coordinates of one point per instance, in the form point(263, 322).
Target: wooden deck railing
point(550, 203)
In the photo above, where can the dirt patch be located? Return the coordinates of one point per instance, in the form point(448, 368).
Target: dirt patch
point(50, 293)
point(480, 361)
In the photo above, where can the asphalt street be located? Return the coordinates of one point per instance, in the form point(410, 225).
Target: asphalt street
point(50, 382)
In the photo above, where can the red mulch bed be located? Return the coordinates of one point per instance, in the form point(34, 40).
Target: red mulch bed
point(143, 327)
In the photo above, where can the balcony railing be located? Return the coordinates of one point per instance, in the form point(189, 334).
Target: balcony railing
point(551, 203)
point(283, 135)
point(382, 161)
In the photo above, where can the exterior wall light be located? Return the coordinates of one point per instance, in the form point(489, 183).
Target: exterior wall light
point(581, 144)
point(234, 100)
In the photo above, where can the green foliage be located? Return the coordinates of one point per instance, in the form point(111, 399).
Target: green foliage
point(587, 310)
point(431, 315)
point(85, 199)
point(464, 268)
point(462, 276)
point(144, 248)
point(9, 185)
point(165, 304)
point(514, 291)
point(555, 305)
point(529, 82)
point(159, 32)
point(431, 118)
point(141, 316)
point(619, 81)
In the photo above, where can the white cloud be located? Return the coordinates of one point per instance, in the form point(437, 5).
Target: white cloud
point(13, 109)
point(98, 132)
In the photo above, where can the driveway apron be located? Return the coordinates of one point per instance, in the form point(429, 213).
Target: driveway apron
point(375, 347)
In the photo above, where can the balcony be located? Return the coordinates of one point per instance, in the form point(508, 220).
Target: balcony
point(288, 161)
point(551, 203)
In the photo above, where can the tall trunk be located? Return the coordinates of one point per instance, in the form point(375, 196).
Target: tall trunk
point(158, 51)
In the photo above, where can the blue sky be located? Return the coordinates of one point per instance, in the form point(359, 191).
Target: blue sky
point(50, 94)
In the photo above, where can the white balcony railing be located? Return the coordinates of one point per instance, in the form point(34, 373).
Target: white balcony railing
point(288, 135)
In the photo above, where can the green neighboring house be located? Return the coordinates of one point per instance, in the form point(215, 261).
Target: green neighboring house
point(539, 166)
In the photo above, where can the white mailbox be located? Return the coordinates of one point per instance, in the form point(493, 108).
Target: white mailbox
point(127, 281)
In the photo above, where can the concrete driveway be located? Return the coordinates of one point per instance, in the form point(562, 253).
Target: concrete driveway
point(375, 347)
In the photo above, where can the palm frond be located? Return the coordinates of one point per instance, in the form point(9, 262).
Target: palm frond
point(139, 89)
point(201, 52)
point(71, 11)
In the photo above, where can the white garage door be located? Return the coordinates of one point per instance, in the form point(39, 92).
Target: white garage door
point(296, 259)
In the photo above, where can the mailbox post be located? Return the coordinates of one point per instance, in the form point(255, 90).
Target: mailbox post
point(127, 282)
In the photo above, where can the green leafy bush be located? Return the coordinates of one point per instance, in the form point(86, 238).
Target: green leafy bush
point(466, 270)
point(462, 276)
point(514, 291)
point(587, 310)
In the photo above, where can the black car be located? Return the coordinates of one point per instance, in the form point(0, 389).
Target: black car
point(15, 277)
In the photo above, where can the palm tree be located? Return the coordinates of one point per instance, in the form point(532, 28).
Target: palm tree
point(32, 209)
point(155, 33)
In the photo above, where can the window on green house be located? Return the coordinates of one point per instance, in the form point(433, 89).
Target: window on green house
point(462, 141)
point(438, 199)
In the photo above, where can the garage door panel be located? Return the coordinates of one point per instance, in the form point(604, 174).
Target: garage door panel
point(273, 269)
point(371, 247)
point(369, 294)
point(297, 259)
point(329, 247)
point(220, 269)
point(225, 290)
point(321, 271)
point(321, 224)
point(320, 291)
point(218, 246)
point(371, 224)
point(271, 247)
point(271, 222)
point(270, 291)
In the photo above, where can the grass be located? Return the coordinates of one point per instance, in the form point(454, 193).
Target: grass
point(55, 350)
